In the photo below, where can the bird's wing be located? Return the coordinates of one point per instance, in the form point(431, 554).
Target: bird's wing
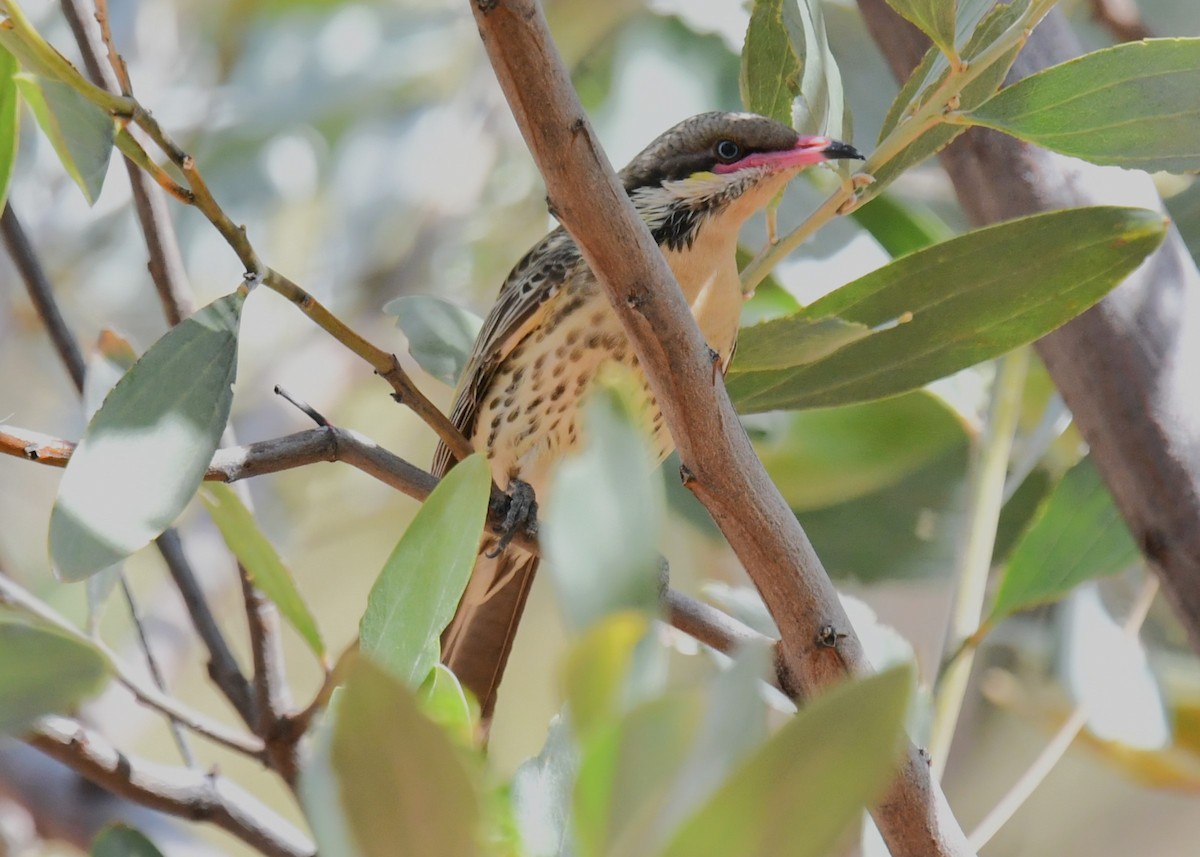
point(519, 308)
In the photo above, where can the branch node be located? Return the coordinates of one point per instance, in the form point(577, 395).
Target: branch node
point(828, 637)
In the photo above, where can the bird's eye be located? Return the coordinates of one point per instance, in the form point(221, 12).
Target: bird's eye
point(728, 151)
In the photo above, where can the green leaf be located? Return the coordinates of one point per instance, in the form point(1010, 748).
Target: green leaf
point(10, 121)
point(823, 457)
point(821, 106)
point(258, 556)
point(320, 791)
point(901, 226)
point(958, 303)
point(445, 703)
point(935, 18)
point(770, 76)
point(151, 441)
point(403, 785)
point(81, 133)
point(541, 794)
point(769, 300)
point(440, 334)
point(1136, 105)
point(415, 595)
point(43, 671)
point(601, 530)
point(119, 840)
point(787, 341)
point(597, 670)
point(800, 791)
point(1077, 536)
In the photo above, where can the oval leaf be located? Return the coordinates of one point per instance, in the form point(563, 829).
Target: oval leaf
point(440, 334)
point(122, 841)
point(10, 116)
point(1135, 105)
point(150, 442)
point(770, 75)
point(935, 18)
point(262, 563)
point(43, 671)
point(403, 786)
point(809, 782)
point(958, 303)
point(1078, 536)
point(81, 133)
point(415, 595)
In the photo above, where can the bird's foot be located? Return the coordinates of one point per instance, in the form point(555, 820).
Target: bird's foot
point(518, 506)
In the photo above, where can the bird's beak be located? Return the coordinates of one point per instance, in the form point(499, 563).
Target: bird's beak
point(806, 152)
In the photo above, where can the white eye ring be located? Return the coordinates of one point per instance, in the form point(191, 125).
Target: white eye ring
point(728, 151)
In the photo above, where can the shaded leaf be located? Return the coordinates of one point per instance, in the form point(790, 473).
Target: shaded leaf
point(813, 777)
point(320, 791)
point(1135, 105)
point(770, 75)
point(780, 343)
point(10, 120)
point(901, 226)
point(119, 840)
point(1077, 536)
point(601, 529)
point(440, 334)
point(152, 439)
point(401, 780)
point(935, 18)
point(827, 456)
point(769, 300)
point(263, 564)
point(821, 106)
point(81, 133)
point(962, 301)
point(415, 595)
point(541, 795)
point(43, 671)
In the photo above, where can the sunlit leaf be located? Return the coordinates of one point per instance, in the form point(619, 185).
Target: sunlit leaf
point(445, 703)
point(403, 785)
point(260, 560)
point(597, 670)
point(150, 444)
point(1077, 536)
point(415, 595)
point(440, 334)
point(541, 794)
point(43, 671)
point(821, 107)
point(1135, 105)
point(81, 133)
point(935, 18)
point(958, 303)
point(770, 76)
point(10, 116)
point(788, 341)
point(809, 782)
point(601, 528)
point(122, 841)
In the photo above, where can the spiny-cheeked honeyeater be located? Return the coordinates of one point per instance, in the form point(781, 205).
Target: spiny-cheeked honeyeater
point(552, 329)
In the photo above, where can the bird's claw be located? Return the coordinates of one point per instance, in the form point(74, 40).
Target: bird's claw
point(520, 512)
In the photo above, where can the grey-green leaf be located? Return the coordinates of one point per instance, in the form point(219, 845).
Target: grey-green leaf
point(440, 334)
point(43, 671)
point(1135, 105)
point(10, 116)
point(958, 303)
point(541, 794)
point(821, 107)
point(600, 534)
point(403, 786)
point(770, 75)
point(119, 840)
point(809, 782)
point(261, 561)
point(81, 133)
point(414, 597)
point(148, 445)
point(1077, 536)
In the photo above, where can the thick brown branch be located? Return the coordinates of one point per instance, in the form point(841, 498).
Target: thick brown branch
point(193, 795)
point(721, 465)
point(1126, 367)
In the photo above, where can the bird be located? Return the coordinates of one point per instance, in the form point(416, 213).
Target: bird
point(552, 330)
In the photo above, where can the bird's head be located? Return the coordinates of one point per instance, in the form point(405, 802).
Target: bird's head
point(718, 165)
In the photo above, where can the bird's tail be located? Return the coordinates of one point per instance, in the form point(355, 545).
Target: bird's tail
point(476, 644)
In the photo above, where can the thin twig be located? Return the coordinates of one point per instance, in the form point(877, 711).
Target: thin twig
point(193, 795)
point(1037, 772)
point(270, 681)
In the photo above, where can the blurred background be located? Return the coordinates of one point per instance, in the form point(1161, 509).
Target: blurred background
point(370, 155)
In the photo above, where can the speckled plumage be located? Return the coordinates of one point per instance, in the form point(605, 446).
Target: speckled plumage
point(552, 330)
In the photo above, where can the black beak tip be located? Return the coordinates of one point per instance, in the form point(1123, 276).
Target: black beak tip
point(837, 150)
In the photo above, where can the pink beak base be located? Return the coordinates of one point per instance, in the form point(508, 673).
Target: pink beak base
point(806, 152)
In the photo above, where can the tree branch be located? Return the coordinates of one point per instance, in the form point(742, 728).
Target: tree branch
point(1126, 367)
point(193, 795)
point(719, 464)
